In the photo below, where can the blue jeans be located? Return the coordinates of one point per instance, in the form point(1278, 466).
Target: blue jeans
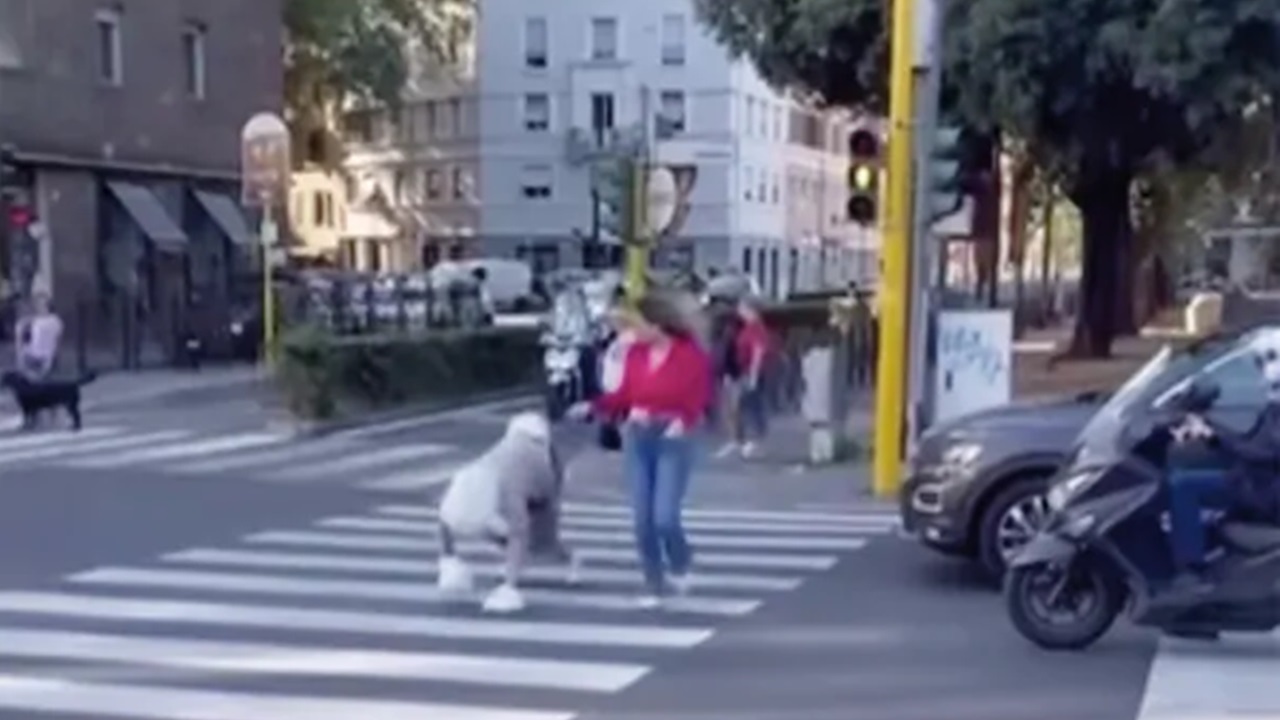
point(1190, 492)
point(657, 470)
point(753, 413)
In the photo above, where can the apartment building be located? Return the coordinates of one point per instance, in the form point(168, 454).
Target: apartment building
point(414, 172)
point(121, 122)
point(563, 83)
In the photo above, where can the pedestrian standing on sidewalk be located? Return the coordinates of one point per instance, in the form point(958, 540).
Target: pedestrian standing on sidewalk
point(750, 351)
point(663, 393)
point(39, 333)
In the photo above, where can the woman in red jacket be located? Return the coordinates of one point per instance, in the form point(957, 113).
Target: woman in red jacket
point(664, 393)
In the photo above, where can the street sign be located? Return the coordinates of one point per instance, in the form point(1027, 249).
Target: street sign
point(662, 199)
point(265, 165)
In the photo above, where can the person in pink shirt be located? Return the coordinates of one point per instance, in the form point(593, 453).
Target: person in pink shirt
point(663, 394)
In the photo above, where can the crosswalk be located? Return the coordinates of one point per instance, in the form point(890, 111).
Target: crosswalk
point(342, 619)
point(267, 456)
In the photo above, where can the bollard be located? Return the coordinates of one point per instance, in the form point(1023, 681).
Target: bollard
point(816, 368)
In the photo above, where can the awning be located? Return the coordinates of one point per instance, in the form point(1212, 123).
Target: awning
point(226, 215)
point(151, 217)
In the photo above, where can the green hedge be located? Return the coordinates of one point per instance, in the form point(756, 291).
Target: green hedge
point(324, 377)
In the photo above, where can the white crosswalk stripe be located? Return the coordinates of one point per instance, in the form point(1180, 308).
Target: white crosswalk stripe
point(344, 620)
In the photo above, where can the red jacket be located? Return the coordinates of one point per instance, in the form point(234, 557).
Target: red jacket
point(679, 388)
point(752, 338)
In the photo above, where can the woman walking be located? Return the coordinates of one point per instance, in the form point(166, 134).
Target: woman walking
point(663, 395)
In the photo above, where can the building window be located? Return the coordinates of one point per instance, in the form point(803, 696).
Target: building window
point(455, 116)
point(775, 191)
point(435, 190)
point(535, 42)
point(748, 183)
point(110, 51)
point(750, 122)
point(460, 185)
point(602, 118)
point(193, 58)
point(317, 209)
point(537, 112)
point(673, 39)
point(535, 182)
point(604, 38)
point(672, 110)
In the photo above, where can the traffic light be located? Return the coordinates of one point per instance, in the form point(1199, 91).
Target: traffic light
point(613, 182)
point(946, 176)
point(864, 177)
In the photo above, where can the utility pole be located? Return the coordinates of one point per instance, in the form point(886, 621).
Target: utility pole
point(637, 240)
point(890, 407)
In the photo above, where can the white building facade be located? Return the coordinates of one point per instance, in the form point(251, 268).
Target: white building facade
point(560, 80)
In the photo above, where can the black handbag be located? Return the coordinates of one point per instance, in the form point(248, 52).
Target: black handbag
point(610, 438)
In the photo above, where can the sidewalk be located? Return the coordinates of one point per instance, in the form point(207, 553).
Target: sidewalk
point(168, 387)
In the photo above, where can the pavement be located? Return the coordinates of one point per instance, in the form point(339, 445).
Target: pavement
point(219, 572)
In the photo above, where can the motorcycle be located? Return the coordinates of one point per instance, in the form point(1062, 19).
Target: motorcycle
point(561, 362)
point(1104, 550)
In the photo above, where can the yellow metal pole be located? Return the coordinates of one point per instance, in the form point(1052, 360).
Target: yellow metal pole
point(896, 254)
point(637, 247)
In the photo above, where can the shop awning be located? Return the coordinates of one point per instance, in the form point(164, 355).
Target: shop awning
point(226, 214)
point(149, 214)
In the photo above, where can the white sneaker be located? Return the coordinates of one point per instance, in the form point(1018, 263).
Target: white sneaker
point(750, 450)
point(727, 450)
point(648, 602)
point(682, 584)
point(574, 575)
point(504, 599)
point(455, 576)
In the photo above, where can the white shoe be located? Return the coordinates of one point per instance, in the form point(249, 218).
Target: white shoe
point(455, 576)
point(504, 599)
point(648, 602)
point(750, 450)
point(727, 450)
point(574, 576)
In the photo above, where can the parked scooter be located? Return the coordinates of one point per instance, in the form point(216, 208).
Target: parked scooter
point(569, 343)
point(1105, 549)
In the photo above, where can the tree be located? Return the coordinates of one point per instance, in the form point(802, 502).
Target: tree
point(339, 51)
point(1101, 89)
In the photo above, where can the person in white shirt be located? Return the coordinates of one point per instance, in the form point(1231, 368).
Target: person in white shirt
point(39, 335)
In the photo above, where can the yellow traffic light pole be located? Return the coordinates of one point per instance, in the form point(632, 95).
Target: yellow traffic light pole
point(895, 243)
point(637, 244)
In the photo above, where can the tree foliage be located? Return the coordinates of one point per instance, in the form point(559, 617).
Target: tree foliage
point(338, 51)
point(1100, 90)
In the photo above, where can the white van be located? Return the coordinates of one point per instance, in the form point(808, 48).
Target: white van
point(509, 282)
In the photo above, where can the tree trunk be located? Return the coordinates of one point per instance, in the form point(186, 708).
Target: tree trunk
point(1047, 290)
point(1016, 230)
point(1104, 208)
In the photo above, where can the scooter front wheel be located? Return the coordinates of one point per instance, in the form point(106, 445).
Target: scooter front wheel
point(1061, 608)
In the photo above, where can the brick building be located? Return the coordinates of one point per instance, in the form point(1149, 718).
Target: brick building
point(120, 124)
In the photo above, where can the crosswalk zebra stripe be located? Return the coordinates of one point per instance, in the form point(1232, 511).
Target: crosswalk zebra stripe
point(707, 514)
point(105, 445)
point(292, 453)
point(347, 622)
point(253, 658)
point(622, 522)
point(615, 537)
point(419, 592)
point(28, 441)
point(210, 446)
point(400, 543)
point(56, 695)
point(352, 462)
point(414, 479)
point(418, 568)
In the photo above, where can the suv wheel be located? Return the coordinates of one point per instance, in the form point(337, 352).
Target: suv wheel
point(1015, 515)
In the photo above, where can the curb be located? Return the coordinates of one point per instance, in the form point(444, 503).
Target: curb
point(304, 430)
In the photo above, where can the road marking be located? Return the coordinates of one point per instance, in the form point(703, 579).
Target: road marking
point(578, 520)
point(505, 407)
point(108, 444)
point(56, 437)
point(416, 479)
point(606, 537)
point(355, 462)
point(1232, 678)
point(418, 546)
point(359, 564)
point(349, 622)
point(701, 513)
point(52, 695)
point(419, 592)
point(294, 452)
point(211, 446)
point(247, 658)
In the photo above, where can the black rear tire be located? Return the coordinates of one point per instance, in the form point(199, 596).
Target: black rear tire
point(1080, 631)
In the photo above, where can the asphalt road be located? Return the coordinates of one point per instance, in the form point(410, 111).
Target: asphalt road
point(129, 590)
